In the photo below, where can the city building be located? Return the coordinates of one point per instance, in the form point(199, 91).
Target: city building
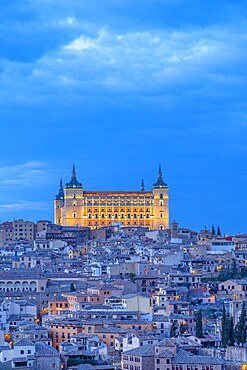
point(74, 206)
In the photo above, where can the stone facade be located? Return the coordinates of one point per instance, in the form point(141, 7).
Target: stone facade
point(75, 206)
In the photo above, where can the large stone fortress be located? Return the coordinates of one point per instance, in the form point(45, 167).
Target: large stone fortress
point(75, 206)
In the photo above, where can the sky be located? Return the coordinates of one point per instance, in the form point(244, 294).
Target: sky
point(119, 87)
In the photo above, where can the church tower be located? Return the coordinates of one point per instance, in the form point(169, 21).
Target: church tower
point(72, 214)
point(161, 203)
point(58, 204)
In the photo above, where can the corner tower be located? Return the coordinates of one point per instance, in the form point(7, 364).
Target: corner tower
point(58, 204)
point(161, 203)
point(72, 213)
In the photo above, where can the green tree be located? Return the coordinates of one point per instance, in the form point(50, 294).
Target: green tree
point(218, 231)
point(173, 329)
point(234, 270)
point(240, 328)
point(230, 332)
point(72, 287)
point(199, 331)
point(224, 328)
point(213, 230)
point(182, 328)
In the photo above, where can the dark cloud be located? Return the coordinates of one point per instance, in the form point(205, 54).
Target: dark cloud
point(118, 87)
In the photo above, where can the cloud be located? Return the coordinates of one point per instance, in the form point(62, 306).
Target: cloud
point(30, 174)
point(68, 22)
point(24, 206)
point(82, 43)
point(140, 62)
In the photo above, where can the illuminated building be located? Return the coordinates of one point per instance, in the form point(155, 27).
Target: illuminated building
point(75, 206)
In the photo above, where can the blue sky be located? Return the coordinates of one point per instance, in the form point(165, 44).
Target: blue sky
point(119, 87)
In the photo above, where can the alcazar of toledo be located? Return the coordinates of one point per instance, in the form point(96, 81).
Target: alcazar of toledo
point(75, 206)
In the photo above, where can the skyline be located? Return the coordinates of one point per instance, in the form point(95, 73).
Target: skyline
point(119, 89)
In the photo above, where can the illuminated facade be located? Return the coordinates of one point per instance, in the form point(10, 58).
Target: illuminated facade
point(75, 206)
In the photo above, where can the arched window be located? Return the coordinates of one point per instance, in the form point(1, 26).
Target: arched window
point(74, 214)
point(161, 196)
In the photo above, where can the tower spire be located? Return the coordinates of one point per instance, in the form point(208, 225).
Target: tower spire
point(73, 176)
point(61, 185)
point(160, 173)
point(142, 186)
point(160, 183)
point(60, 194)
point(73, 182)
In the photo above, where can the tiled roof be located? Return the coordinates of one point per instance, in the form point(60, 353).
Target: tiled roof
point(166, 342)
point(111, 330)
point(43, 350)
point(24, 342)
point(165, 354)
point(183, 357)
point(144, 351)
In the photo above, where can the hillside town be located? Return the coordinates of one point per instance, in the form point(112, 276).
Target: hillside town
point(121, 298)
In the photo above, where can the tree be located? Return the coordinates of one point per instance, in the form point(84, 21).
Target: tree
point(234, 271)
point(240, 328)
point(72, 287)
point(182, 328)
point(218, 231)
point(199, 331)
point(227, 330)
point(173, 329)
point(213, 230)
point(224, 328)
point(230, 332)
